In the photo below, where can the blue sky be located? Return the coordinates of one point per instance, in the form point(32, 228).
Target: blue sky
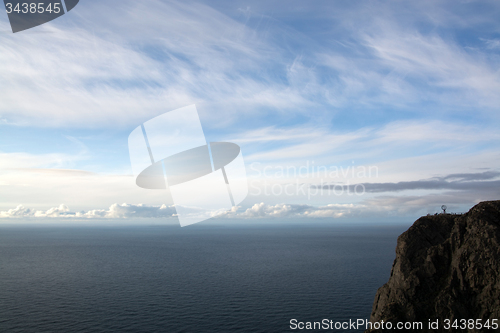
point(412, 88)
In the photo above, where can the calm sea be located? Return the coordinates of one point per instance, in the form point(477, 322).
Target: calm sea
point(193, 279)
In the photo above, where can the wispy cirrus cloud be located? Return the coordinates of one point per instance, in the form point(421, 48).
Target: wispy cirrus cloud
point(492, 43)
point(241, 63)
point(112, 70)
point(385, 142)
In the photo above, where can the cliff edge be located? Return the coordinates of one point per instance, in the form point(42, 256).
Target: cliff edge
point(446, 267)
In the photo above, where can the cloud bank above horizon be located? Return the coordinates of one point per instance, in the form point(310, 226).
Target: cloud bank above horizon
point(259, 211)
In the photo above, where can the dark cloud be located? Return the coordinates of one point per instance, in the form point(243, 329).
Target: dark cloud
point(484, 181)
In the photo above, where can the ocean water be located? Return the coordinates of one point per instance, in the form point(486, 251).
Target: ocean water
point(193, 279)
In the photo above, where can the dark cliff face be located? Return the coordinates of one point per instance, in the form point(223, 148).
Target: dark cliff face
point(446, 267)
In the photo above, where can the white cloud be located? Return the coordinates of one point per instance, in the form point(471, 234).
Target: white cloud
point(380, 207)
point(492, 43)
point(115, 211)
point(435, 132)
point(21, 211)
point(13, 161)
point(379, 143)
point(117, 74)
point(440, 64)
point(127, 211)
point(145, 59)
point(263, 210)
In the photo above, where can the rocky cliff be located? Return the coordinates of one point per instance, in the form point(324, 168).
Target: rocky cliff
point(446, 267)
